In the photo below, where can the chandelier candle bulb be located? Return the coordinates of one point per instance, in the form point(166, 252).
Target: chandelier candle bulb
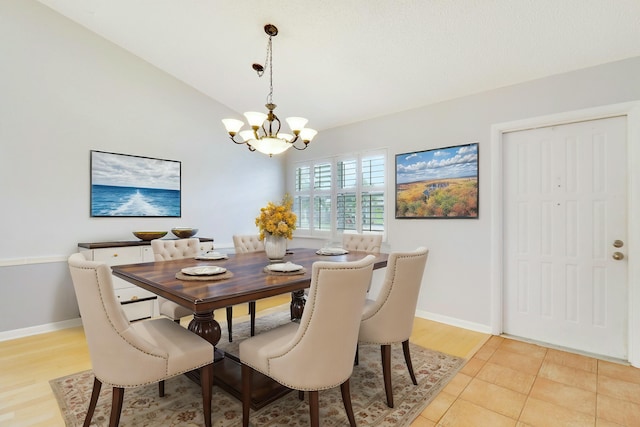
point(255, 118)
point(296, 124)
point(307, 134)
point(232, 125)
point(246, 135)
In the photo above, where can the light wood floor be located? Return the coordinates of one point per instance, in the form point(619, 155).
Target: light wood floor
point(505, 382)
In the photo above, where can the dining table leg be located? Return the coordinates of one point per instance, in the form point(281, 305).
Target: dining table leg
point(205, 325)
point(297, 304)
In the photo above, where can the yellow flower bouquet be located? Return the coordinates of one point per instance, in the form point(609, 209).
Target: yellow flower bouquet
point(277, 220)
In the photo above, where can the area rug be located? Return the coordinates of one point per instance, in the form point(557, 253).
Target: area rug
point(182, 403)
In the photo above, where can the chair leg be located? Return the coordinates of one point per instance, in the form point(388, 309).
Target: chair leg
point(407, 359)
point(314, 409)
point(229, 317)
point(252, 312)
point(300, 395)
point(116, 406)
point(206, 381)
point(161, 388)
point(247, 372)
point(97, 385)
point(346, 400)
point(385, 351)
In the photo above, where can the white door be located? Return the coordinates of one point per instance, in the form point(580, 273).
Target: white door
point(565, 228)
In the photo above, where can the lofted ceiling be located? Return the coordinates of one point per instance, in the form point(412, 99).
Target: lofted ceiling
point(341, 61)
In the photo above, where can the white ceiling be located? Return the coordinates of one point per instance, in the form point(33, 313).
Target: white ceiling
point(342, 61)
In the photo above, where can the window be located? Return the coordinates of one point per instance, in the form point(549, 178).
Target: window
point(346, 193)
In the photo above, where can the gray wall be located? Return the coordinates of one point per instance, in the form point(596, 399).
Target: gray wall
point(457, 287)
point(66, 91)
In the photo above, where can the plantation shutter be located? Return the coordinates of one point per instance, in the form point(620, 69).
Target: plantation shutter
point(322, 197)
point(301, 199)
point(372, 198)
point(346, 198)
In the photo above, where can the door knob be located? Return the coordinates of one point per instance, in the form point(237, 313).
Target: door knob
point(618, 256)
point(618, 243)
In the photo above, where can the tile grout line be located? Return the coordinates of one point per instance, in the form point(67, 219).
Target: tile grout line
point(535, 379)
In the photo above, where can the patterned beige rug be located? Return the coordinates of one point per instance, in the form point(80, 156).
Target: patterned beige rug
point(181, 405)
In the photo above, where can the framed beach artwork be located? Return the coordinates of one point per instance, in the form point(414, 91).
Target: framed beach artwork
point(123, 185)
point(438, 183)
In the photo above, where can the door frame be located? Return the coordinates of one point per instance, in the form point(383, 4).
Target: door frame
point(632, 112)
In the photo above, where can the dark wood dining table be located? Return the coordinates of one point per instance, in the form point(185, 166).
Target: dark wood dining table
point(246, 281)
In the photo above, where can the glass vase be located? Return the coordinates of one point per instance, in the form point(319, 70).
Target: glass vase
point(275, 247)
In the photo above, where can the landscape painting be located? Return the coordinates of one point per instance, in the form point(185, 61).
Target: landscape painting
point(124, 185)
point(439, 183)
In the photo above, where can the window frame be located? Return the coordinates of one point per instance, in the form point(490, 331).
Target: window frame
point(333, 233)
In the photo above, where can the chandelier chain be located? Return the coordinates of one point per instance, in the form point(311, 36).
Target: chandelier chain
point(269, 62)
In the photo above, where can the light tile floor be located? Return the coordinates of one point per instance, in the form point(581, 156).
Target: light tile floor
point(513, 383)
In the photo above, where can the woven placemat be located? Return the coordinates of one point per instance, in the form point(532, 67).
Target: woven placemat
point(226, 275)
point(283, 273)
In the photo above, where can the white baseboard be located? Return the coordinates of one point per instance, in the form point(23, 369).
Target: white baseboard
point(40, 329)
point(452, 321)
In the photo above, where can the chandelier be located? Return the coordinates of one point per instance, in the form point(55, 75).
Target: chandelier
point(265, 135)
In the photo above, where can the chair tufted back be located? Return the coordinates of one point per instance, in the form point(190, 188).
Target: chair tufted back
point(165, 250)
point(247, 243)
point(362, 242)
point(116, 348)
point(389, 319)
point(319, 353)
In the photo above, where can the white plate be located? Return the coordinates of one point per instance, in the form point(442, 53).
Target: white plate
point(284, 267)
point(332, 251)
point(212, 256)
point(203, 270)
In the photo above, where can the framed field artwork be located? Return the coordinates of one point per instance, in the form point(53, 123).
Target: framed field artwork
point(123, 185)
point(438, 183)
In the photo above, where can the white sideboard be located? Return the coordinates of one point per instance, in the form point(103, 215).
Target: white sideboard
point(137, 303)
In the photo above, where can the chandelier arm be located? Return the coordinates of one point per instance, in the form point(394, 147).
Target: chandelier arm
point(233, 138)
point(306, 144)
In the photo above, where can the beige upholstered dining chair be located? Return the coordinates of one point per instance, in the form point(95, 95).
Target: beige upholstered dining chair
point(318, 353)
point(165, 250)
point(389, 319)
point(370, 243)
point(362, 242)
point(247, 243)
point(244, 244)
point(127, 355)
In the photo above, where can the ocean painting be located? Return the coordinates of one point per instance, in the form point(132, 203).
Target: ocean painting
point(439, 183)
point(133, 186)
